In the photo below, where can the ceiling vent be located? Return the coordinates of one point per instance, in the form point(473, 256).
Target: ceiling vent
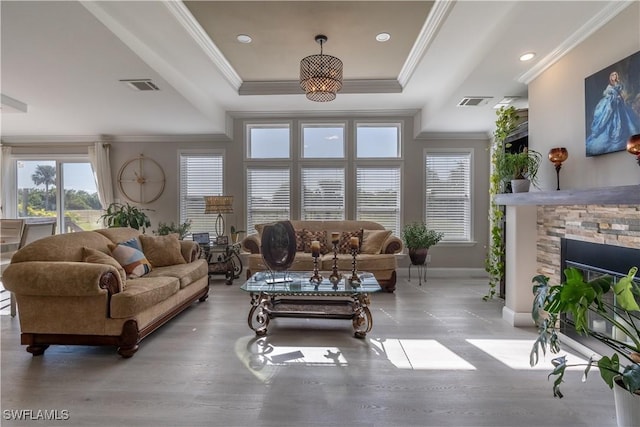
point(141, 84)
point(474, 101)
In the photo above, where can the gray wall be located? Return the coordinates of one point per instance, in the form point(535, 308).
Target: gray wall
point(442, 255)
point(557, 108)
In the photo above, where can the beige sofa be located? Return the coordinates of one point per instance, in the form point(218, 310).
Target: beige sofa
point(69, 290)
point(377, 251)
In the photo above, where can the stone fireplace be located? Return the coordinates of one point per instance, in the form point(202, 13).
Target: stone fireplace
point(538, 221)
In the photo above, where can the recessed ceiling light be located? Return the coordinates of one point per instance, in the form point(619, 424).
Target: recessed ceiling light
point(243, 38)
point(383, 37)
point(527, 56)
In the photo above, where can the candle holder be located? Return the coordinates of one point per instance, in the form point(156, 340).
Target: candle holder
point(633, 146)
point(354, 279)
point(557, 156)
point(316, 279)
point(335, 275)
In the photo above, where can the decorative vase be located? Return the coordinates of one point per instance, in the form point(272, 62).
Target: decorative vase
point(520, 185)
point(627, 405)
point(418, 256)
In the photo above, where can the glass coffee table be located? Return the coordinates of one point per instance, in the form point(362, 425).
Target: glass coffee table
point(291, 294)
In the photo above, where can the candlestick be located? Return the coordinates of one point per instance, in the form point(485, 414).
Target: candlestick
point(354, 242)
point(316, 278)
point(315, 248)
point(354, 279)
point(633, 146)
point(335, 276)
point(335, 237)
point(557, 156)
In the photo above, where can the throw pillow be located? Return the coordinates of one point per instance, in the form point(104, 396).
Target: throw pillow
point(300, 240)
point(321, 236)
point(97, 257)
point(131, 258)
point(162, 250)
point(344, 246)
point(372, 241)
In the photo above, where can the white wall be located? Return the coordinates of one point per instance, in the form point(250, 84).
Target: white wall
point(557, 108)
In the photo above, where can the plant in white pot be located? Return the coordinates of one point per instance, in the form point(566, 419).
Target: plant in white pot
point(521, 168)
point(418, 239)
point(577, 300)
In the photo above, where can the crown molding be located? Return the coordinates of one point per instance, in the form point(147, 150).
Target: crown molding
point(292, 87)
point(200, 36)
point(84, 140)
point(437, 16)
point(288, 115)
point(57, 140)
point(609, 12)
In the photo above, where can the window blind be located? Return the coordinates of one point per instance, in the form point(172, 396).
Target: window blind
point(322, 194)
point(448, 194)
point(268, 196)
point(378, 196)
point(200, 175)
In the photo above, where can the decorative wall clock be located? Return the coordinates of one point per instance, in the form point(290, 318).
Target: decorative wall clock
point(141, 179)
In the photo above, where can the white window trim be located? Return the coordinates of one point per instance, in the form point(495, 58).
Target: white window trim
point(327, 123)
point(467, 150)
point(399, 124)
point(248, 125)
point(194, 152)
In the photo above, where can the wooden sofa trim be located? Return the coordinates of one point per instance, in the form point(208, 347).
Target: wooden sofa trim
point(127, 342)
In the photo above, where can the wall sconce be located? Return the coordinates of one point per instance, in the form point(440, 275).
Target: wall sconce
point(633, 146)
point(557, 156)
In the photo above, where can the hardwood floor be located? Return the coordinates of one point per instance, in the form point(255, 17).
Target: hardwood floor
point(427, 362)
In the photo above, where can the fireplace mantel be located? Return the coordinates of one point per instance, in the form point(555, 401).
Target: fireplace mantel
point(620, 195)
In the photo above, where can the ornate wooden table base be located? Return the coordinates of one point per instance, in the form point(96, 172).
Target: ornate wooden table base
point(298, 298)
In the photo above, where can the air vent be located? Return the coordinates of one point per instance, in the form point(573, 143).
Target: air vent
point(474, 101)
point(141, 84)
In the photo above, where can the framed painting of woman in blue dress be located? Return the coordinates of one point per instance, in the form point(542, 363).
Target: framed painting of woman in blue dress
point(612, 106)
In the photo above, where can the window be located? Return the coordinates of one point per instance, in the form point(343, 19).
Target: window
point(268, 142)
point(377, 141)
point(448, 194)
point(201, 174)
point(268, 199)
point(76, 208)
point(322, 194)
point(322, 141)
point(378, 196)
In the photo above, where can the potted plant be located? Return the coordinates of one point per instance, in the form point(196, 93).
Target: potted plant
point(118, 215)
point(521, 168)
point(181, 229)
point(235, 234)
point(418, 239)
point(607, 301)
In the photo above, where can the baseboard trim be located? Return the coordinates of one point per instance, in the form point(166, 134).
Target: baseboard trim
point(446, 273)
point(516, 319)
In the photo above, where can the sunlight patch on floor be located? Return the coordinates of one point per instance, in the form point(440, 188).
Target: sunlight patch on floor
point(515, 354)
point(419, 354)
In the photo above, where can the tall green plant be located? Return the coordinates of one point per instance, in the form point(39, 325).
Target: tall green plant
point(494, 264)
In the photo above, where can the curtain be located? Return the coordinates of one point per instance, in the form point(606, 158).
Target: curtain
point(99, 157)
point(5, 182)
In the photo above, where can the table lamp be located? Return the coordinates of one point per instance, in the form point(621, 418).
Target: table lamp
point(219, 205)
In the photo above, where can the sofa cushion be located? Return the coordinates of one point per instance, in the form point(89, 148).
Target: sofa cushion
point(344, 246)
point(131, 258)
point(303, 262)
point(186, 273)
point(320, 236)
point(119, 234)
point(162, 250)
point(142, 293)
point(372, 241)
point(300, 240)
point(97, 257)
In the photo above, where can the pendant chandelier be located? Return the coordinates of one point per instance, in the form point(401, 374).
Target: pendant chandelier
point(321, 75)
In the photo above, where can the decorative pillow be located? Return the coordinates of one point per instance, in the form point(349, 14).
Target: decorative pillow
point(131, 258)
point(372, 241)
point(344, 246)
point(97, 257)
point(300, 240)
point(321, 236)
point(162, 250)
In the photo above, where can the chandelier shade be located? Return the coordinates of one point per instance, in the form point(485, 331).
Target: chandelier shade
point(321, 75)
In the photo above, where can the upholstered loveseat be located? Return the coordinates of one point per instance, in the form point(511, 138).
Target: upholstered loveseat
point(84, 288)
point(376, 253)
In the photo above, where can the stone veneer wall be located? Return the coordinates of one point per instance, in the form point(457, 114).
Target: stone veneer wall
point(617, 225)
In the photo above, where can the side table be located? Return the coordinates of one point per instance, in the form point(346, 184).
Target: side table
point(223, 260)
